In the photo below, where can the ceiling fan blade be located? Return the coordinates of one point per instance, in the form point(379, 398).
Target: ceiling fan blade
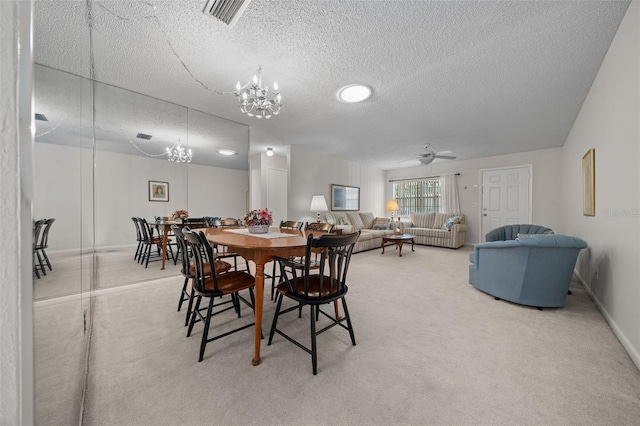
point(446, 157)
point(408, 159)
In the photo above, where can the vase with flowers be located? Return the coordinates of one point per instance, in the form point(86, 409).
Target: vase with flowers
point(258, 221)
point(180, 215)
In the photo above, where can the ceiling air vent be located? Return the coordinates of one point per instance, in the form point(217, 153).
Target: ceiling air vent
point(143, 136)
point(41, 117)
point(227, 11)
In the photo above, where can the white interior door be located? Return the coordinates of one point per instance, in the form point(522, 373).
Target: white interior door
point(277, 194)
point(506, 197)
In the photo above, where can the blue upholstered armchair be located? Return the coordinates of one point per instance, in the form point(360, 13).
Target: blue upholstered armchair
point(535, 270)
point(510, 232)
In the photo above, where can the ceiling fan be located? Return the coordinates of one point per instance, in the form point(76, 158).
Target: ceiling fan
point(428, 156)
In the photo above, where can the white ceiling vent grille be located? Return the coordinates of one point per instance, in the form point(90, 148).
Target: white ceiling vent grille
point(227, 11)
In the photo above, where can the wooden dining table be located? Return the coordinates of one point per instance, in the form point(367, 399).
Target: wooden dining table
point(260, 251)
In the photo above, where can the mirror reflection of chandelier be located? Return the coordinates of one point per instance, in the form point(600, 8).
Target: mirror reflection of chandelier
point(178, 154)
point(254, 99)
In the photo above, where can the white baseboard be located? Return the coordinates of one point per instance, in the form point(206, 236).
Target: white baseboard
point(633, 353)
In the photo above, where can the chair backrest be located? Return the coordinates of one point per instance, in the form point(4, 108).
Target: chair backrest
point(291, 224)
point(196, 222)
point(229, 222)
point(37, 231)
point(137, 225)
point(318, 226)
point(202, 253)
point(145, 229)
point(510, 232)
point(182, 243)
point(335, 254)
point(45, 232)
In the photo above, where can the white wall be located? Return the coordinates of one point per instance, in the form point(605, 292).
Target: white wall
point(547, 188)
point(312, 173)
point(609, 122)
point(121, 191)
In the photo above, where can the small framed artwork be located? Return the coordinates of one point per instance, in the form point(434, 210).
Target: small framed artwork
point(588, 184)
point(158, 191)
point(345, 198)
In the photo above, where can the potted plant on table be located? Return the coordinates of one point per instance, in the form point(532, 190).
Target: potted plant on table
point(258, 221)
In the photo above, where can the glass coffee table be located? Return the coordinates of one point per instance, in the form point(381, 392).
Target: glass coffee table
point(398, 240)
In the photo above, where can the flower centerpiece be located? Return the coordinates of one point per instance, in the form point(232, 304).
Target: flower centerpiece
point(258, 221)
point(180, 215)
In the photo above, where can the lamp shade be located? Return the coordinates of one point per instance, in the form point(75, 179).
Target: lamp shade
point(318, 204)
point(392, 205)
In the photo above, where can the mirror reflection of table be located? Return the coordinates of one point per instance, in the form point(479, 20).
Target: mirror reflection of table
point(260, 251)
point(166, 227)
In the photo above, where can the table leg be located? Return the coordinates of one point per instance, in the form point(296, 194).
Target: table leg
point(259, 294)
point(382, 247)
point(412, 245)
point(400, 246)
point(164, 244)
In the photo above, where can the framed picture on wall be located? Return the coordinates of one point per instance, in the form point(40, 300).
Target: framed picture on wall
point(158, 191)
point(344, 198)
point(588, 184)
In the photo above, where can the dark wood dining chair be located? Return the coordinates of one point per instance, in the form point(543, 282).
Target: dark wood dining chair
point(317, 287)
point(188, 270)
point(318, 226)
point(222, 252)
point(284, 224)
point(151, 241)
point(38, 264)
point(214, 286)
point(43, 244)
point(138, 239)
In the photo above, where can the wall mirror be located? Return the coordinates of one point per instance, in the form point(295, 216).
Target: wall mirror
point(92, 175)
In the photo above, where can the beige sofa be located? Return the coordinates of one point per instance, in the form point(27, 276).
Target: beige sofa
point(436, 229)
point(372, 228)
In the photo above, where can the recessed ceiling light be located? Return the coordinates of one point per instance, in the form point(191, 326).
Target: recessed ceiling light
point(353, 93)
point(226, 152)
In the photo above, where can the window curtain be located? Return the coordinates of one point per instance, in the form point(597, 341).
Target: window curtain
point(449, 201)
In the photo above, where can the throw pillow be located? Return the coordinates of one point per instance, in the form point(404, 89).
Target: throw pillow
point(343, 221)
point(380, 223)
point(450, 222)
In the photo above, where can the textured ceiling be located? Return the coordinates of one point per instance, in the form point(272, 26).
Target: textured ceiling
point(476, 78)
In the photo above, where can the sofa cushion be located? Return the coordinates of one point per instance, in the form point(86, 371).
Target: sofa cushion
point(427, 232)
point(422, 220)
point(355, 220)
point(366, 236)
point(367, 219)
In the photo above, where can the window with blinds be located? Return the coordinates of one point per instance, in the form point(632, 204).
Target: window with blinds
point(418, 196)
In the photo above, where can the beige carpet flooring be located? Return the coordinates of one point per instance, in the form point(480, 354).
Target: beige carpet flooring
point(431, 349)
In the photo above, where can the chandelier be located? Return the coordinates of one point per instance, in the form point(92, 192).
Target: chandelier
point(254, 99)
point(178, 154)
